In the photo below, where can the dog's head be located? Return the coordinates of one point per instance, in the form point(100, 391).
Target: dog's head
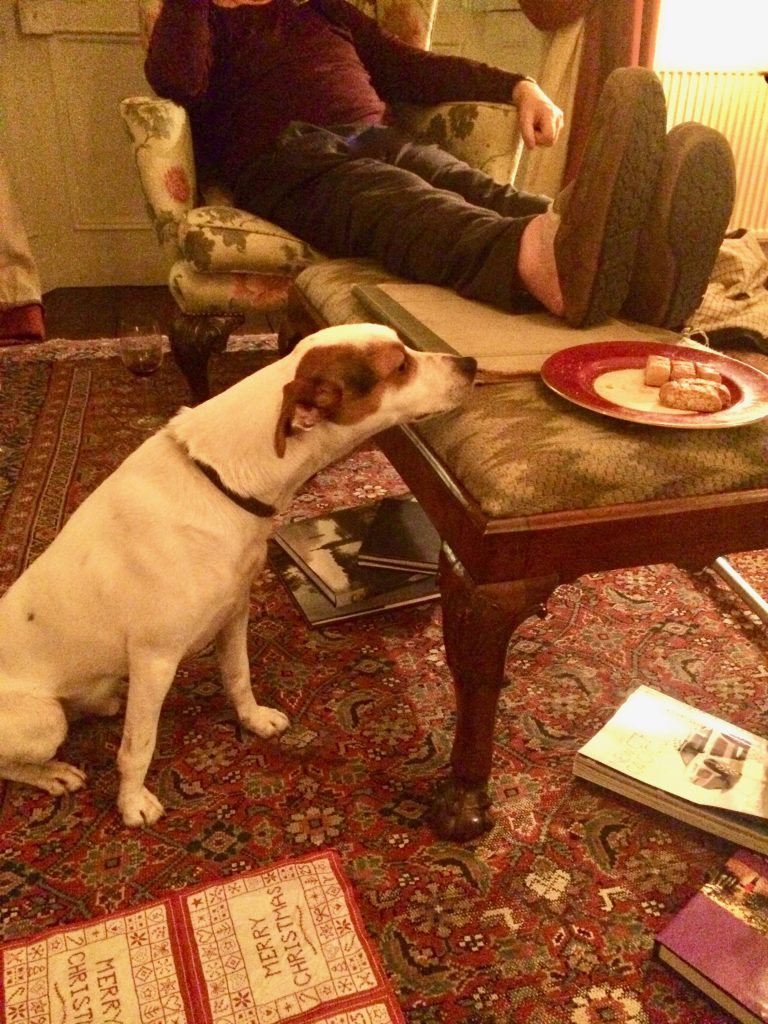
point(364, 377)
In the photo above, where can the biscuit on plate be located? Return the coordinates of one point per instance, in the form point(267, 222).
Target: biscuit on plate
point(657, 370)
point(682, 368)
point(706, 372)
point(695, 395)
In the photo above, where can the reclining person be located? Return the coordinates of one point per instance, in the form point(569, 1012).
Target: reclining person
point(288, 102)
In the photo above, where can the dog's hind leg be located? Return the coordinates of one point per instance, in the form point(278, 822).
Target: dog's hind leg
point(31, 731)
point(103, 698)
point(150, 678)
point(232, 650)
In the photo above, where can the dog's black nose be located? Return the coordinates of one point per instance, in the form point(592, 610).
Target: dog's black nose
point(468, 366)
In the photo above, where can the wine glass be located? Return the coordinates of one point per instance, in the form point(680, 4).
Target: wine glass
point(142, 346)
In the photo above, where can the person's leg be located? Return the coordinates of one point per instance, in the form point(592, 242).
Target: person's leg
point(345, 204)
point(445, 171)
point(536, 263)
point(21, 310)
point(578, 264)
point(578, 260)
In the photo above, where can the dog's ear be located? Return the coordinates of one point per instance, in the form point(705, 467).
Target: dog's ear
point(306, 401)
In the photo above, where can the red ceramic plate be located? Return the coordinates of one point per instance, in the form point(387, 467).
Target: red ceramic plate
point(607, 377)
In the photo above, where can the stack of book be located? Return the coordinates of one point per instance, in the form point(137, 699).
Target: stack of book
point(689, 764)
point(359, 560)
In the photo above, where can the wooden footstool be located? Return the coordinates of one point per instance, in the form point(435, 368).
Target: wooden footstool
point(528, 491)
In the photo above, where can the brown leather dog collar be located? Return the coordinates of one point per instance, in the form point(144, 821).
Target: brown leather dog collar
point(253, 505)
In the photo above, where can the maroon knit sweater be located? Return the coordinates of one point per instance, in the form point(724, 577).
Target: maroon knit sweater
point(244, 73)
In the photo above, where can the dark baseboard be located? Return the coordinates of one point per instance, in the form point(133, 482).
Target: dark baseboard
point(76, 313)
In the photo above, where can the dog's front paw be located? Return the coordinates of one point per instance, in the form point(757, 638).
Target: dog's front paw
point(139, 809)
point(265, 722)
point(58, 777)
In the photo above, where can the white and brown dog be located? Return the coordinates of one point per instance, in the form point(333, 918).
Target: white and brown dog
point(159, 560)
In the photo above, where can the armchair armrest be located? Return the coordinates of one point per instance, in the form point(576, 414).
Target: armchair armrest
point(223, 239)
point(484, 135)
point(162, 148)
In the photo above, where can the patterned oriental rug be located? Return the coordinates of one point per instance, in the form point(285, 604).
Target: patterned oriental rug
point(549, 918)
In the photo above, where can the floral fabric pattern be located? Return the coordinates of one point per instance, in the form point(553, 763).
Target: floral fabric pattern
point(223, 238)
point(482, 134)
point(148, 12)
point(162, 149)
point(177, 184)
point(327, 289)
point(201, 292)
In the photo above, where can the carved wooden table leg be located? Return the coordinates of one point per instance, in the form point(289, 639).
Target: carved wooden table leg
point(194, 339)
point(478, 622)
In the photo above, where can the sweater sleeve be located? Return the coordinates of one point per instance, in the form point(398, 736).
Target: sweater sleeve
point(407, 74)
point(180, 55)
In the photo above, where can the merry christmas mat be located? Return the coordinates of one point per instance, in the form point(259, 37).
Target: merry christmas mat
point(283, 943)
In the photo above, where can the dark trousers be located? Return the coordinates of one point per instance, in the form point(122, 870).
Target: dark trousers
point(415, 209)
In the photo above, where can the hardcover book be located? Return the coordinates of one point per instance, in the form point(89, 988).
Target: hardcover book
point(684, 762)
point(318, 610)
point(719, 940)
point(401, 537)
point(326, 549)
point(280, 943)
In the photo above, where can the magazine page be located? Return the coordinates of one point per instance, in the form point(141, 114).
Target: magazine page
point(676, 748)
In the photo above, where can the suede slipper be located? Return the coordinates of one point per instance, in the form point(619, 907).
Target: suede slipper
point(608, 202)
point(685, 229)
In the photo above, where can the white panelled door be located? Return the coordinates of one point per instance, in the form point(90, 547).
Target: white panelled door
point(64, 67)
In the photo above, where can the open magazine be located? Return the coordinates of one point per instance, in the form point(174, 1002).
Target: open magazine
point(671, 756)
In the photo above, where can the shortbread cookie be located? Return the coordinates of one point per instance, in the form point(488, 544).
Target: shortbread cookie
point(695, 395)
point(657, 370)
point(706, 372)
point(682, 368)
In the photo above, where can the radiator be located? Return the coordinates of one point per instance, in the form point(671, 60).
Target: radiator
point(736, 103)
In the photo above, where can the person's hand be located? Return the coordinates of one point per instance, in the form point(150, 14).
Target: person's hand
point(539, 119)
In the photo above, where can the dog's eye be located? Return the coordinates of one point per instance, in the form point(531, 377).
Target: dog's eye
point(403, 367)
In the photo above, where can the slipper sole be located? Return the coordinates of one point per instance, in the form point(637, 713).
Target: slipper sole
point(597, 238)
point(686, 226)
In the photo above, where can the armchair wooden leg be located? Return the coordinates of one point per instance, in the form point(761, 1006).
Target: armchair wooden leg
point(194, 339)
point(478, 622)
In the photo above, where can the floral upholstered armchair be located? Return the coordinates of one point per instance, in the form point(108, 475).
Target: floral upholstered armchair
point(226, 263)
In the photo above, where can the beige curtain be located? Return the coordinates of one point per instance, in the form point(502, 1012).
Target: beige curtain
point(21, 313)
point(617, 33)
